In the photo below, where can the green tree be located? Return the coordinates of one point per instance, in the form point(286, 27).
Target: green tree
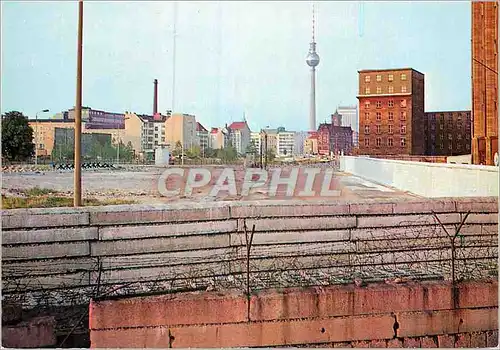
point(210, 153)
point(270, 155)
point(227, 154)
point(177, 151)
point(251, 148)
point(17, 137)
point(194, 152)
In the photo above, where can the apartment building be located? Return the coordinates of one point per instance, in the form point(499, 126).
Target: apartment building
point(240, 136)
point(255, 138)
point(285, 143)
point(299, 140)
point(144, 132)
point(484, 82)
point(181, 128)
point(272, 139)
point(202, 135)
point(311, 143)
point(219, 138)
point(391, 105)
point(447, 133)
point(44, 133)
point(350, 118)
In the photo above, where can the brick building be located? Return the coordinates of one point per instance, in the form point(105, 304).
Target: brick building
point(333, 138)
point(391, 112)
point(447, 133)
point(484, 82)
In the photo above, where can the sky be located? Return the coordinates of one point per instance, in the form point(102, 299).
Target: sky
point(233, 59)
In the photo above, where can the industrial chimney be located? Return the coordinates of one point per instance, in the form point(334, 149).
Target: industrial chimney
point(155, 102)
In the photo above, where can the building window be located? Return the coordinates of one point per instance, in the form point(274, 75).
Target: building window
point(379, 116)
point(367, 116)
point(390, 103)
point(449, 146)
point(367, 129)
point(391, 89)
point(403, 115)
point(441, 126)
point(367, 79)
point(379, 104)
point(379, 90)
point(441, 145)
point(403, 76)
point(156, 128)
point(403, 142)
point(390, 142)
point(367, 90)
point(379, 129)
point(391, 115)
point(403, 129)
point(433, 127)
point(403, 88)
point(379, 77)
point(390, 129)
point(391, 77)
point(459, 137)
point(379, 142)
point(403, 104)
point(449, 137)
point(367, 105)
point(367, 142)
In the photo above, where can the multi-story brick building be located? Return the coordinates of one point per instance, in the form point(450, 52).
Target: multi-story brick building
point(484, 82)
point(391, 112)
point(447, 133)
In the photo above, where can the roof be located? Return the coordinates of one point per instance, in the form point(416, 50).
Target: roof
point(200, 127)
point(434, 112)
point(238, 125)
point(152, 119)
point(214, 130)
point(387, 70)
point(39, 120)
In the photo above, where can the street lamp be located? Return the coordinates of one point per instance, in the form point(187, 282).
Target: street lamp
point(36, 134)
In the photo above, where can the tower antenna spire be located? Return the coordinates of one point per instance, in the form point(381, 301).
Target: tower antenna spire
point(313, 23)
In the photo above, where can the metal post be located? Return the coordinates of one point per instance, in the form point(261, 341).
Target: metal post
point(118, 147)
point(77, 200)
point(36, 138)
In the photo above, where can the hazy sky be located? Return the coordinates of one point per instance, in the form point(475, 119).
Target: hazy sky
point(232, 57)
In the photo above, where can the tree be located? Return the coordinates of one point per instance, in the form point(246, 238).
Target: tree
point(177, 151)
point(270, 155)
point(251, 149)
point(227, 154)
point(17, 137)
point(194, 152)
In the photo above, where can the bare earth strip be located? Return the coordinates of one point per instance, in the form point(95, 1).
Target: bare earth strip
point(141, 184)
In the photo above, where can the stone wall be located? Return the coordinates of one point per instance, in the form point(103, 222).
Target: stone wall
point(380, 315)
point(430, 180)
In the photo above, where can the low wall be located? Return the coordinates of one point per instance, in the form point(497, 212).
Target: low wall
point(379, 315)
point(428, 159)
point(426, 179)
point(56, 260)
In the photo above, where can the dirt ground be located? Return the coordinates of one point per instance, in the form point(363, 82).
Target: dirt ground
point(140, 183)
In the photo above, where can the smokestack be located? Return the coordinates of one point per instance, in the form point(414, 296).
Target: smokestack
point(155, 102)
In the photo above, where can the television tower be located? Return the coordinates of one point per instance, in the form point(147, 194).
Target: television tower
point(312, 61)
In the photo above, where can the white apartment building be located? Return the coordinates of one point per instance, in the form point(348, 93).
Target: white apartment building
point(240, 136)
point(255, 138)
point(299, 140)
point(350, 118)
point(285, 143)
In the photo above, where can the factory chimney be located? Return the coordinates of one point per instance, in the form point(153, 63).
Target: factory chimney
point(155, 102)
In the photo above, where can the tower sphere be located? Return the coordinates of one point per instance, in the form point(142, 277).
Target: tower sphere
point(312, 59)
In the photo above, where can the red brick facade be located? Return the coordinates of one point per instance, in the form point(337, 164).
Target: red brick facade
point(447, 133)
point(333, 138)
point(484, 82)
point(391, 118)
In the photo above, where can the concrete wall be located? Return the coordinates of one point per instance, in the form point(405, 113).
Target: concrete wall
point(379, 315)
point(426, 179)
point(66, 256)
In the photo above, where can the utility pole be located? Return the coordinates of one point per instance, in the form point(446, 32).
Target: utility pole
point(36, 134)
point(77, 200)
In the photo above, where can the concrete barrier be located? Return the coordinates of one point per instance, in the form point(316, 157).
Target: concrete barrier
point(426, 179)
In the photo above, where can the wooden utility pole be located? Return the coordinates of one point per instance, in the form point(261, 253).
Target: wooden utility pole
point(77, 199)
